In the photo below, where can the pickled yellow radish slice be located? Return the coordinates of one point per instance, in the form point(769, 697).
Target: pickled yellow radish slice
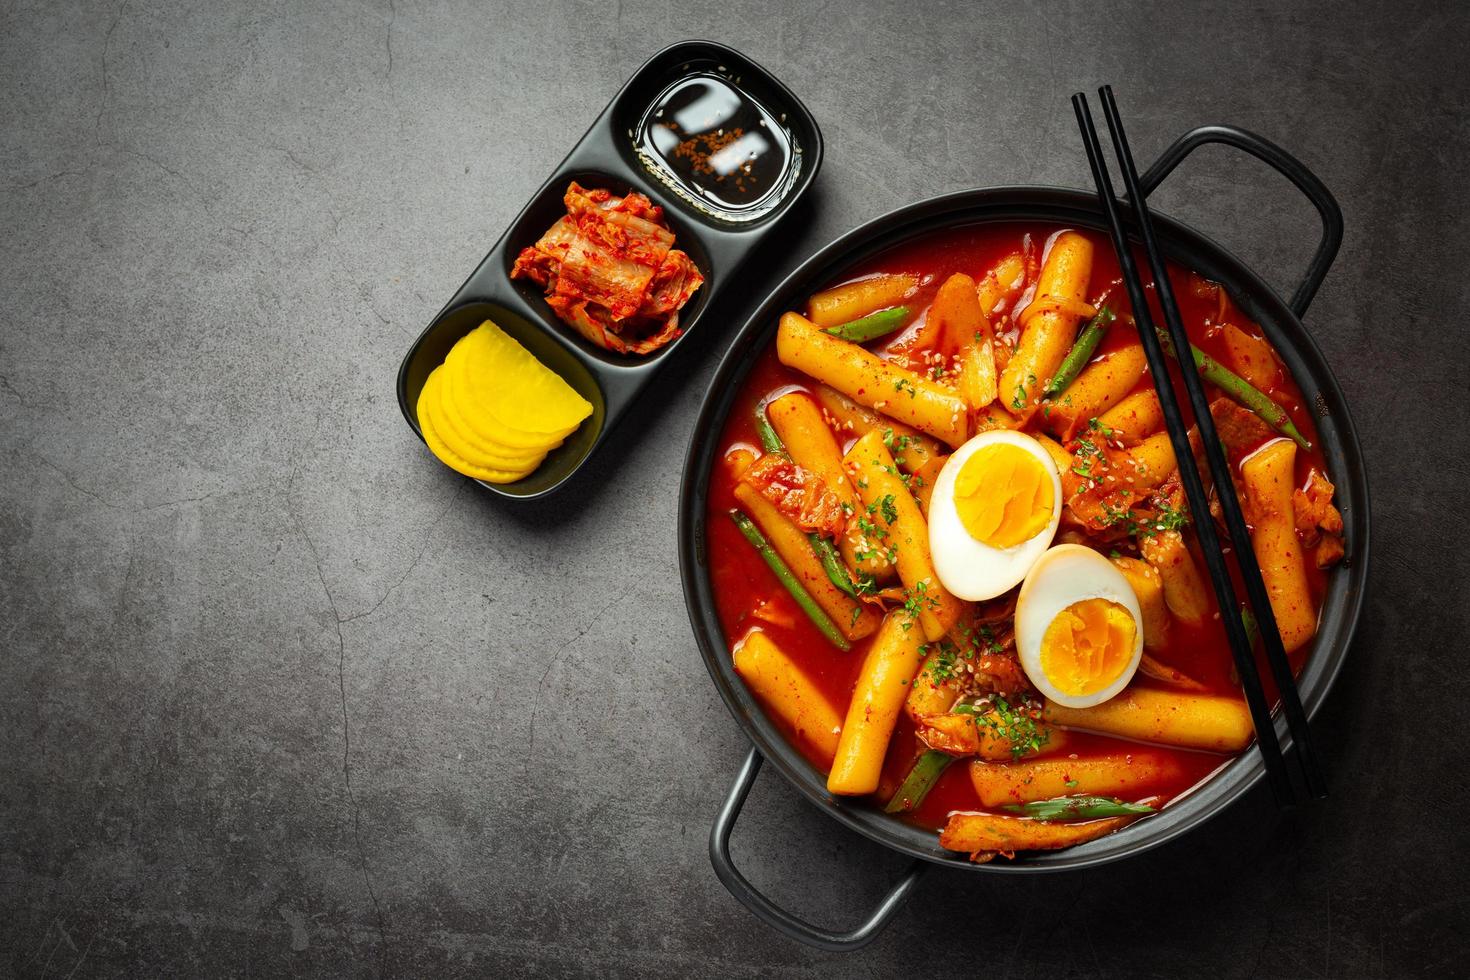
point(520, 392)
point(455, 462)
point(462, 437)
point(457, 385)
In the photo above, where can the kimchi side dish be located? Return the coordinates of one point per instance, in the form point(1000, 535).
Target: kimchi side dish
point(610, 270)
point(952, 555)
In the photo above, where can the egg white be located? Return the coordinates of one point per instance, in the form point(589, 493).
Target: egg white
point(972, 569)
point(1066, 574)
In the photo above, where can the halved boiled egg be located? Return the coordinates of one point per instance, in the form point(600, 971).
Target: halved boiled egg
point(1079, 630)
point(995, 508)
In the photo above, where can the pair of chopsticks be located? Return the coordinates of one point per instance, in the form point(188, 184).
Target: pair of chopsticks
point(1194, 489)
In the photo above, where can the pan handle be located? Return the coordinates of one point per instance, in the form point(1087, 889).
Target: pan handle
point(771, 913)
point(1283, 163)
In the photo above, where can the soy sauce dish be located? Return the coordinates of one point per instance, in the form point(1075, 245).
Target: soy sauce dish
point(609, 269)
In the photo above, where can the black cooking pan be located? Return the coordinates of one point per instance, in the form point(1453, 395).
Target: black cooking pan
point(1281, 321)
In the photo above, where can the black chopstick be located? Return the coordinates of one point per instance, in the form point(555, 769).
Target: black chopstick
point(1240, 647)
point(1255, 586)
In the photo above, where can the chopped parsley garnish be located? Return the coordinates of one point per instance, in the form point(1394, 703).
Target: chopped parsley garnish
point(943, 662)
point(918, 599)
point(1015, 725)
point(1170, 518)
point(890, 512)
point(1086, 454)
point(1113, 516)
point(868, 527)
point(896, 443)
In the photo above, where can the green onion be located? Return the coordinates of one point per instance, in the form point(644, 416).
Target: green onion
point(770, 441)
point(1079, 355)
point(1239, 390)
point(832, 563)
point(1252, 628)
point(921, 779)
point(872, 326)
point(1252, 634)
point(787, 578)
point(1078, 808)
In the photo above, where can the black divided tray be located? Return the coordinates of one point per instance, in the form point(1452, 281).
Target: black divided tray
point(607, 157)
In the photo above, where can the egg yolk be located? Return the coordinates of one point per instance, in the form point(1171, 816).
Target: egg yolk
point(1087, 646)
point(1003, 495)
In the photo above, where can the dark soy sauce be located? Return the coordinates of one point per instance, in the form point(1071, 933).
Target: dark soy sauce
point(718, 147)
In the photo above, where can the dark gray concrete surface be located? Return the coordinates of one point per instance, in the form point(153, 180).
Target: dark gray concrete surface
point(281, 695)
